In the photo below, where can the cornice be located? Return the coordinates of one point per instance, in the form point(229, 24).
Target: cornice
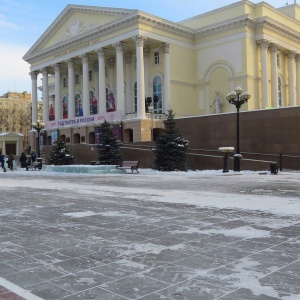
point(166, 25)
point(245, 20)
point(99, 31)
point(134, 17)
point(66, 13)
point(280, 28)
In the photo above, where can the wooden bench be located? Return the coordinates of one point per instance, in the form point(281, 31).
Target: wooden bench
point(95, 162)
point(127, 164)
point(34, 166)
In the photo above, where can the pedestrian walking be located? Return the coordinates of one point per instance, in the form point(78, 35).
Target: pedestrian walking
point(2, 161)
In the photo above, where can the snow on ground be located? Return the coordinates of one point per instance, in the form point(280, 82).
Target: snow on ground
point(201, 198)
point(245, 273)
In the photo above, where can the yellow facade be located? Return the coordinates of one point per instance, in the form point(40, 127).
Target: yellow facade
point(253, 46)
point(15, 114)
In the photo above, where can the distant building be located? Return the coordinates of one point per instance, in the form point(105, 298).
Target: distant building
point(104, 63)
point(15, 114)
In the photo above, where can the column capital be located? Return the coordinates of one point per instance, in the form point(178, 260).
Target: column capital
point(119, 47)
point(44, 71)
point(273, 48)
point(111, 63)
point(139, 40)
point(95, 67)
point(264, 44)
point(84, 58)
point(165, 47)
point(34, 74)
point(146, 52)
point(100, 52)
point(56, 67)
point(127, 58)
point(70, 63)
point(291, 54)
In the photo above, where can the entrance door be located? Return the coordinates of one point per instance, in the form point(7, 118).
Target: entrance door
point(10, 148)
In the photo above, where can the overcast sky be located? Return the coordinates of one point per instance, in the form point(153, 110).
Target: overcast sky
point(22, 22)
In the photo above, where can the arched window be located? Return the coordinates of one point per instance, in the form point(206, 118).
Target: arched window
point(93, 103)
point(157, 91)
point(78, 105)
point(65, 105)
point(135, 97)
point(279, 92)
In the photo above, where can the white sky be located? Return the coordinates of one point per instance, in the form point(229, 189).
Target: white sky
point(22, 22)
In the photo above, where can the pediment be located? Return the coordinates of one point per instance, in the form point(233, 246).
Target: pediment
point(74, 21)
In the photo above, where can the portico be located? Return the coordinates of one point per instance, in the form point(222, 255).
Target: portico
point(104, 62)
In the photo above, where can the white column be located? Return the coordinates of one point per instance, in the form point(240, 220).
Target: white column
point(102, 88)
point(58, 102)
point(34, 99)
point(298, 79)
point(3, 147)
point(274, 76)
point(18, 147)
point(120, 77)
point(96, 84)
point(146, 71)
point(264, 73)
point(111, 66)
point(128, 101)
point(85, 85)
point(140, 76)
point(45, 95)
point(71, 88)
point(291, 56)
point(167, 78)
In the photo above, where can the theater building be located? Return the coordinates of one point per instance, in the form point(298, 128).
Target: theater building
point(101, 63)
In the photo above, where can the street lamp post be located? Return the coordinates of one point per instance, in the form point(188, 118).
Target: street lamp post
point(151, 108)
point(38, 126)
point(238, 98)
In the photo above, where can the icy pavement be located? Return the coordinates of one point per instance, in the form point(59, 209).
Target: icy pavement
point(194, 235)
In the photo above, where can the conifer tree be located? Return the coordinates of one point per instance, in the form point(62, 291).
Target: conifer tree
point(60, 155)
point(108, 147)
point(171, 148)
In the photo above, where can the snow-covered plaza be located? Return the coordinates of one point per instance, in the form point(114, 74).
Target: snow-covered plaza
point(183, 235)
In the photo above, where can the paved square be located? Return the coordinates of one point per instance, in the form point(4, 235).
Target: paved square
point(149, 236)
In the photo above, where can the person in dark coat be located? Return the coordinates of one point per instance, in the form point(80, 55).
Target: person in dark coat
point(33, 156)
point(23, 160)
point(2, 161)
point(10, 161)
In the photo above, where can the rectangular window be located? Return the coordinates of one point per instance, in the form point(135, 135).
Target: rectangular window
point(90, 75)
point(156, 58)
point(64, 82)
point(77, 79)
point(278, 60)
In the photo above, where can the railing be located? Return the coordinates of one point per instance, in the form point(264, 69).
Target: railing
point(130, 116)
point(289, 161)
point(206, 158)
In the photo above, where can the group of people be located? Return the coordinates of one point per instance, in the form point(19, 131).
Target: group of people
point(23, 159)
point(11, 159)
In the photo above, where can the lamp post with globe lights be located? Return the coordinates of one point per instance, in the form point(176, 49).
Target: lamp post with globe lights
point(237, 98)
point(38, 126)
